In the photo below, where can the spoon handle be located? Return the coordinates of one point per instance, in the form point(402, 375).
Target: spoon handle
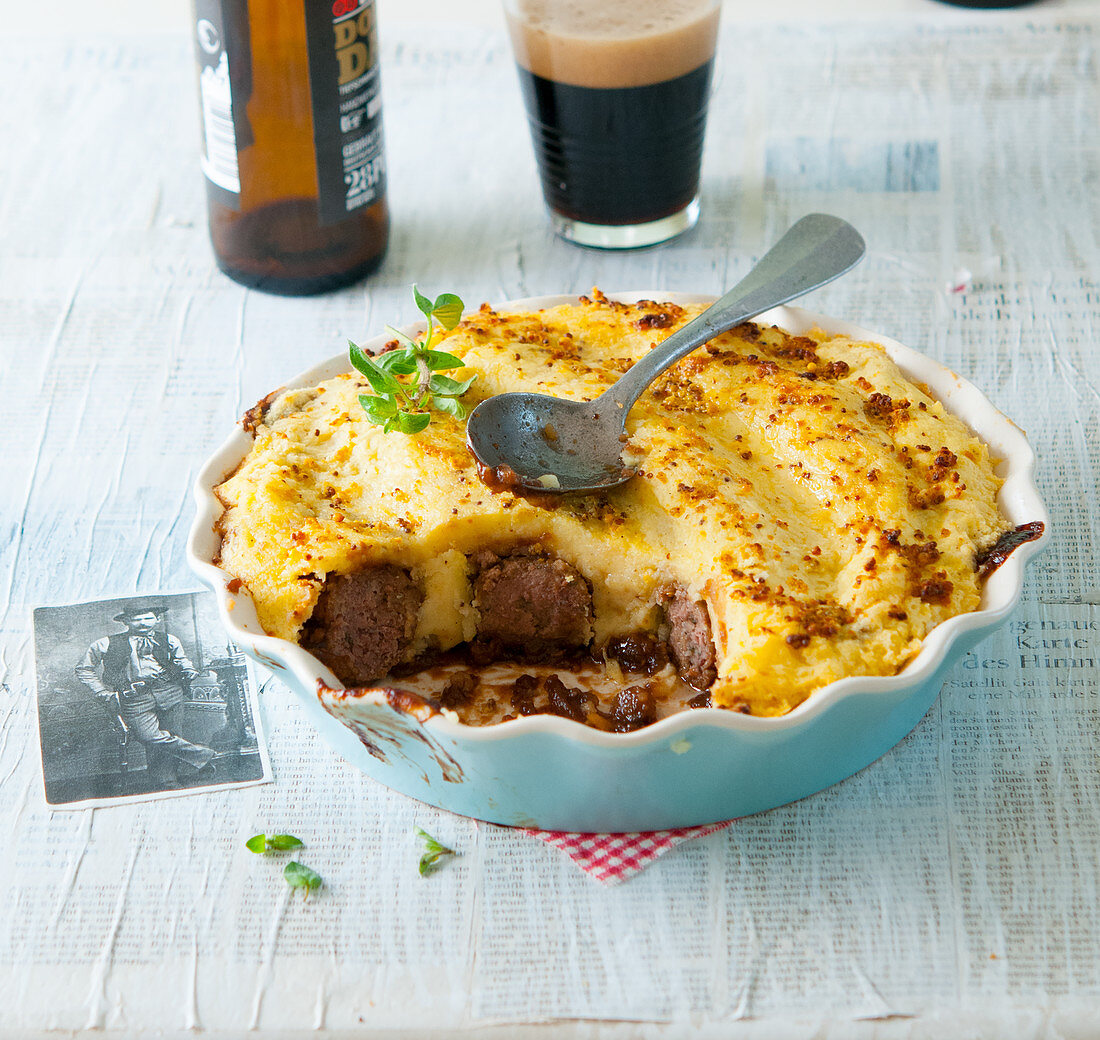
point(817, 249)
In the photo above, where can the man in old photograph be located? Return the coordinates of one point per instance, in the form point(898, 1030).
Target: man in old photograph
point(141, 676)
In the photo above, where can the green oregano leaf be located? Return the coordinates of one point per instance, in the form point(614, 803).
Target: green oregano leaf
point(378, 409)
point(262, 843)
point(445, 386)
point(412, 422)
point(424, 305)
point(440, 361)
point(400, 362)
point(450, 405)
point(381, 382)
point(300, 876)
point(447, 310)
point(434, 853)
point(283, 842)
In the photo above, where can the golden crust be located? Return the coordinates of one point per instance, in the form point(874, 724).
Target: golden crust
point(825, 509)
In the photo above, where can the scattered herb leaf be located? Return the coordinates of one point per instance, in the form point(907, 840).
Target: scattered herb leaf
point(282, 842)
point(299, 876)
point(261, 843)
point(434, 853)
point(406, 384)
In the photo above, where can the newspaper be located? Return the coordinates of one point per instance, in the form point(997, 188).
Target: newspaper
point(955, 880)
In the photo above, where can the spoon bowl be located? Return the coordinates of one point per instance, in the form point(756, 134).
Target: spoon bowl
point(549, 444)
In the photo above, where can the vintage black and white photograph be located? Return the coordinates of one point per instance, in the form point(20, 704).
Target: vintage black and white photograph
point(141, 697)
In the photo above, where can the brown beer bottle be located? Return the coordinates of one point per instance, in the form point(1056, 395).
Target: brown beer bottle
point(292, 141)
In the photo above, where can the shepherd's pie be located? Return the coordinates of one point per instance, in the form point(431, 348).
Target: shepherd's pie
point(801, 512)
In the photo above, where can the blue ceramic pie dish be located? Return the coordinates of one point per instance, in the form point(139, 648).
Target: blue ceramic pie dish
point(695, 767)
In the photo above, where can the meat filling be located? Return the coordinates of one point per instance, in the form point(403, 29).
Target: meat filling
point(531, 605)
point(363, 623)
point(689, 638)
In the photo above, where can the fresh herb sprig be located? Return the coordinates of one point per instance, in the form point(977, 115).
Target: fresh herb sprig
point(407, 381)
point(434, 853)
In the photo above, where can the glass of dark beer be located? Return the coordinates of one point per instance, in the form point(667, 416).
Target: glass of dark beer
point(616, 94)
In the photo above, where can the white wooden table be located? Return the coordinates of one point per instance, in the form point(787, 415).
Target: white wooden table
point(951, 888)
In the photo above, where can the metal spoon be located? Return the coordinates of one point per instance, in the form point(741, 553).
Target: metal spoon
point(550, 444)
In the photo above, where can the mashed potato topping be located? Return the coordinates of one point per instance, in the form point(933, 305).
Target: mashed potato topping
point(801, 512)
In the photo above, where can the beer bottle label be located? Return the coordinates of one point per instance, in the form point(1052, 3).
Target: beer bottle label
point(225, 73)
point(342, 39)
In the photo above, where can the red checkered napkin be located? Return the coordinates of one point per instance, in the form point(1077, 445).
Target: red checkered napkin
point(612, 858)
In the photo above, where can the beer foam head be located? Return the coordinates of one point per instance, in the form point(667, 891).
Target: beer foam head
point(612, 43)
